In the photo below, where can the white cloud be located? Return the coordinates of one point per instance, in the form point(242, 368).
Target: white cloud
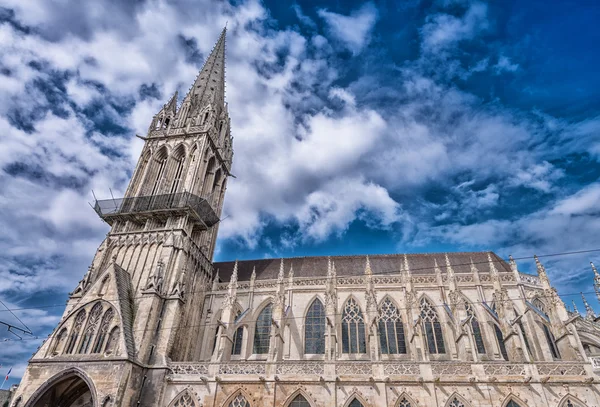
point(445, 30)
point(504, 65)
point(354, 31)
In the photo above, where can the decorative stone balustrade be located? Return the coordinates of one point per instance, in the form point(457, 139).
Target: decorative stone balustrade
point(360, 370)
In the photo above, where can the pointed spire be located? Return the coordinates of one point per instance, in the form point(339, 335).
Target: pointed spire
point(215, 281)
point(449, 268)
point(253, 275)
point(575, 310)
point(596, 281)
point(368, 270)
point(475, 272)
point(541, 270)
point(589, 312)
point(291, 276)
point(438, 271)
point(234, 276)
point(406, 268)
point(171, 106)
point(209, 86)
point(281, 272)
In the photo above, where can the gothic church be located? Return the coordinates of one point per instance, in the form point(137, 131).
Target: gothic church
point(156, 323)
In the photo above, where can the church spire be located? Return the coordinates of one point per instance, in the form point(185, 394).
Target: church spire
point(209, 86)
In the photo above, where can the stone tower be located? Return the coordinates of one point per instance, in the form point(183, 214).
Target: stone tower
point(140, 303)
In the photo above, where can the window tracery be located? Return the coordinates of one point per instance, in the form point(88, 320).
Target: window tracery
point(314, 329)
point(239, 401)
point(106, 321)
point(299, 401)
point(185, 400)
point(353, 328)
point(79, 320)
point(391, 329)
point(432, 327)
point(456, 403)
point(238, 339)
point(262, 333)
point(475, 328)
point(90, 328)
point(404, 403)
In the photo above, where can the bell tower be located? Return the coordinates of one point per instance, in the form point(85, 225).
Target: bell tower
point(141, 301)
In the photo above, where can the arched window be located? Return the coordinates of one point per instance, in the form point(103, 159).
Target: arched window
point(314, 329)
point(355, 403)
point(79, 320)
point(432, 327)
point(60, 338)
point(475, 328)
point(500, 337)
point(239, 401)
point(262, 334)
point(391, 329)
point(299, 401)
point(159, 174)
point(455, 402)
point(403, 402)
point(90, 328)
point(238, 338)
point(571, 403)
point(525, 338)
point(106, 321)
point(353, 328)
point(512, 403)
point(113, 340)
point(547, 332)
point(185, 400)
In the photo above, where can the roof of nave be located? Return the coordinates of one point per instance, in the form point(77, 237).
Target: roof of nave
point(418, 263)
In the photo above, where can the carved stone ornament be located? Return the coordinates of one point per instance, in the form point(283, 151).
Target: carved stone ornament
point(155, 280)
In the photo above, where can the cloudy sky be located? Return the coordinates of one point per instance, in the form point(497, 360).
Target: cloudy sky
point(359, 127)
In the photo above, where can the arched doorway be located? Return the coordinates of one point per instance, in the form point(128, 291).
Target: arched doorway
point(71, 389)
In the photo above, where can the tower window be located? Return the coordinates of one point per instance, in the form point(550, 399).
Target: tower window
point(501, 343)
point(237, 341)
point(476, 329)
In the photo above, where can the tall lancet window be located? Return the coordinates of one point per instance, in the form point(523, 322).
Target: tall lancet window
point(391, 329)
point(90, 328)
point(500, 338)
point(432, 327)
point(547, 332)
point(262, 333)
point(162, 162)
point(353, 328)
point(475, 328)
point(238, 337)
point(79, 320)
point(314, 329)
point(102, 332)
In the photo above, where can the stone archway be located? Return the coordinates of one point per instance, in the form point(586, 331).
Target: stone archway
point(69, 390)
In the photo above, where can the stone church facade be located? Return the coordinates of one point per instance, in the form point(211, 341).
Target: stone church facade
point(155, 322)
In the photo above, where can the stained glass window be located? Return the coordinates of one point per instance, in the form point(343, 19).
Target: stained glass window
point(355, 403)
point(433, 328)
point(238, 337)
point(314, 329)
point(475, 328)
point(263, 331)
point(299, 401)
point(391, 329)
point(79, 320)
point(106, 321)
point(239, 401)
point(525, 339)
point(90, 328)
point(512, 403)
point(456, 403)
point(500, 339)
point(353, 328)
point(404, 403)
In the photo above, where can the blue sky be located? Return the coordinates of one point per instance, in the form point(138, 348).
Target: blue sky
point(359, 127)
